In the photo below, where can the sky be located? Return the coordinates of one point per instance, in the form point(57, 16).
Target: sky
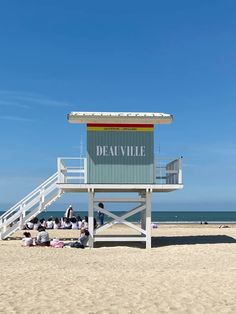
point(170, 56)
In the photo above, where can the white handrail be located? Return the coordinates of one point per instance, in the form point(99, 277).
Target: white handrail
point(65, 168)
point(169, 172)
point(32, 204)
point(29, 196)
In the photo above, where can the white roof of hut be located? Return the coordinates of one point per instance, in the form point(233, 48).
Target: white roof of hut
point(120, 117)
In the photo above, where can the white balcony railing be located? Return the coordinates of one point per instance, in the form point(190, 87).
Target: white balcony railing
point(169, 171)
point(74, 170)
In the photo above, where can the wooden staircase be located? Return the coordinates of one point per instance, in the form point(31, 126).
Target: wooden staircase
point(30, 206)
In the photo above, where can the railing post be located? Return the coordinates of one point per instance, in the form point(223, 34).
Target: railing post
point(42, 198)
point(85, 170)
point(4, 226)
point(23, 212)
point(21, 222)
point(22, 215)
point(148, 219)
point(60, 177)
point(180, 174)
point(91, 217)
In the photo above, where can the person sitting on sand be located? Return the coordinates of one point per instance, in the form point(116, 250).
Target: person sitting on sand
point(84, 224)
point(29, 225)
point(67, 224)
point(27, 240)
point(79, 222)
point(74, 224)
point(56, 223)
point(84, 237)
point(36, 223)
point(49, 223)
point(82, 241)
point(43, 222)
point(43, 237)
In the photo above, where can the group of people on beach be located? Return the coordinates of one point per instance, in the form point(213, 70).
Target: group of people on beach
point(58, 223)
point(43, 239)
point(69, 221)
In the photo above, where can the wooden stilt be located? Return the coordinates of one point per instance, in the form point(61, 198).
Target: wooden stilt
point(148, 219)
point(91, 217)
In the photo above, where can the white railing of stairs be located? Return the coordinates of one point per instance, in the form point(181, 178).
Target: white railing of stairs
point(30, 206)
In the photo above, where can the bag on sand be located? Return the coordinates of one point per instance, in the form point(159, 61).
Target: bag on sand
point(57, 244)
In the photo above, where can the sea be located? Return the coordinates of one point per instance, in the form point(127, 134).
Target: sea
point(164, 217)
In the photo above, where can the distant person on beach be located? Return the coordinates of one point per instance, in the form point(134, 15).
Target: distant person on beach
point(49, 223)
point(67, 224)
point(56, 223)
point(36, 223)
point(43, 222)
point(74, 224)
point(79, 222)
point(101, 214)
point(43, 237)
point(27, 240)
point(29, 225)
point(84, 224)
point(69, 212)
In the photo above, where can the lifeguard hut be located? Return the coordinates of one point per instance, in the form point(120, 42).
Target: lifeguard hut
point(120, 160)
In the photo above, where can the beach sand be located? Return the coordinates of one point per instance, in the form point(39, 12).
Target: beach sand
point(190, 269)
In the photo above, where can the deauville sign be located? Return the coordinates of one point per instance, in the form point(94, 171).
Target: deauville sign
point(120, 150)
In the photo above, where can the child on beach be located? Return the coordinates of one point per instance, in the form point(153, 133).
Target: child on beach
point(27, 240)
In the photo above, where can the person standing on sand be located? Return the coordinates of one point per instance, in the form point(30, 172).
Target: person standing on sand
point(101, 214)
point(69, 212)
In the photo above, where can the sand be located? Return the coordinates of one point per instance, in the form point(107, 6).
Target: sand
point(190, 269)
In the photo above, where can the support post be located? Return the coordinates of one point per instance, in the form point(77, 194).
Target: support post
point(143, 213)
point(21, 217)
point(148, 219)
point(91, 217)
point(143, 219)
point(180, 176)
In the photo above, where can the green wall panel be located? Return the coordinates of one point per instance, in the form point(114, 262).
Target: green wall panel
point(120, 157)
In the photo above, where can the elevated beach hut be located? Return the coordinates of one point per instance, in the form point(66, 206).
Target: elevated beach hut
point(119, 160)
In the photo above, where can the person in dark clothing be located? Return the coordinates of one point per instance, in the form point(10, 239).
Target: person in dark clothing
point(101, 214)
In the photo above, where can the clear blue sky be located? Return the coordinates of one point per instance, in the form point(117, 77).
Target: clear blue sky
point(173, 56)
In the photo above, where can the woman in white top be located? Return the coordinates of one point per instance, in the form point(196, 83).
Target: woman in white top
point(30, 225)
point(49, 223)
point(56, 224)
point(74, 224)
point(85, 223)
point(67, 224)
point(79, 224)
